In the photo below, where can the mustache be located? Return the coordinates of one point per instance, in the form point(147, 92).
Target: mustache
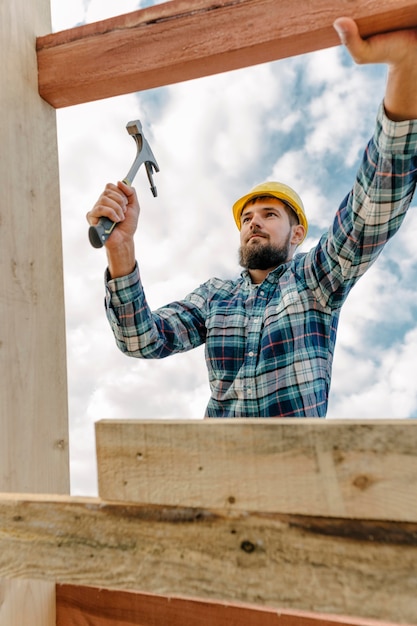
point(257, 231)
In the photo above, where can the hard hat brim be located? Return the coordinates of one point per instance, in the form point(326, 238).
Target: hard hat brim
point(282, 195)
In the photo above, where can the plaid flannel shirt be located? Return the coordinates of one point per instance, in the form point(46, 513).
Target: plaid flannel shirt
point(269, 348)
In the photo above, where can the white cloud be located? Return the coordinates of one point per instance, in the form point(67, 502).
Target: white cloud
point(68, 14)
point(102, 9)
point(382, 387)
point(343, 109)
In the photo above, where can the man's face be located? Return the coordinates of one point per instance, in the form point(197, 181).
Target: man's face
point(265, 234)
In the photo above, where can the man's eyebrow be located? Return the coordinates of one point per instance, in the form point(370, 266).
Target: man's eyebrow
point(271, 207)
point(248, 210)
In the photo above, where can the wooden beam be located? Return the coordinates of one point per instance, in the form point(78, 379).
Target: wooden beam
point(342, 468)
point(33, 396)
point(347, 567)
point(185, 39)
point(76, 605)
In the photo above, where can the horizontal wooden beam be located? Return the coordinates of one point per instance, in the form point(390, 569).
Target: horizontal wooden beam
point(342, 468)
point(186, 39)
point(76, 605)
point(348, 567)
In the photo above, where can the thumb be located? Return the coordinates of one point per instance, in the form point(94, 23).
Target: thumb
point(348, 32)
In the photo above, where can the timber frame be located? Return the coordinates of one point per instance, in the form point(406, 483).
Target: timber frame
point(245, 522)
point(185, 39)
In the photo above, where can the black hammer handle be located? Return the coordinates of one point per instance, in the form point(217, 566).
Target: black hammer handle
point(99, 233)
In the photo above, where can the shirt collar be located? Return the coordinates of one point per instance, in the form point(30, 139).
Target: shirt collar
point(273, 276)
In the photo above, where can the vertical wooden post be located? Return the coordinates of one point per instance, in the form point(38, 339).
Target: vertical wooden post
point(33, 394)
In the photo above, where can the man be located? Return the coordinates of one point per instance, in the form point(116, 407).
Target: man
point(270, 335)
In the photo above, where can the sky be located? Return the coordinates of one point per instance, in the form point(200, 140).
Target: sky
point(304, 121)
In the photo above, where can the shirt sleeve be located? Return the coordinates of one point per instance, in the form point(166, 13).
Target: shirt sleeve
point(142, 333)
point(369, 215)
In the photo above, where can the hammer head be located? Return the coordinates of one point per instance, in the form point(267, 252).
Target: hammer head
point(134, 128)
point(144, 155)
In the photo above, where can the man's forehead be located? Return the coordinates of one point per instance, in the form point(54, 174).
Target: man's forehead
point(264, 203)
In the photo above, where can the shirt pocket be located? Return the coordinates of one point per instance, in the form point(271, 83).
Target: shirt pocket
point(283, 332)
point(225, 343)
point(288, 304)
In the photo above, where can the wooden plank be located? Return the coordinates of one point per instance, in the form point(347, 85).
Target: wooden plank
point(27, 603)
point(91, 606)
point(33, 400)
point(347, 567)
point(185, 39)
point(342, 468)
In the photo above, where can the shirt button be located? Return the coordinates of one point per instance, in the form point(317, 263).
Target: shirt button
point(262, 293)
point(249, 390)
point(251, 353)
point(256, 320)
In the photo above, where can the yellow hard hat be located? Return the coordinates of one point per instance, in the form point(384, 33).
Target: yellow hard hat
point(276, 190)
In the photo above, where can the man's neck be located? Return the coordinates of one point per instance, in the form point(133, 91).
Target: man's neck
point(258, 276)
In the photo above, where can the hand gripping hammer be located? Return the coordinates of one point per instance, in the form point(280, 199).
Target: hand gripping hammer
point(99, 233)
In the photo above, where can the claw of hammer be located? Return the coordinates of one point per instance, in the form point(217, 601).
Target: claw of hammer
point(99, 234)
point(144, 155)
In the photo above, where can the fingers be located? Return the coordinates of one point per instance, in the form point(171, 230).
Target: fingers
point(112, 203)
point(396, 48)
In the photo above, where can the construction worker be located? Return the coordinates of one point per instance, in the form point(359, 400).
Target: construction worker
point(270, 334)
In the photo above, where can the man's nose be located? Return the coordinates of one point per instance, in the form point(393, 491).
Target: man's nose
point(256, 221)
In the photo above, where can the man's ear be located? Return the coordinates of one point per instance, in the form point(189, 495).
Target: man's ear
point(298, 234)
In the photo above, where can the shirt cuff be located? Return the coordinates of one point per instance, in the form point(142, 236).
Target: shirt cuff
point(123, 290)
point(395, 138)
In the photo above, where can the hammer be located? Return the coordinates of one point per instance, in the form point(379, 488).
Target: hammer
point(99, 233)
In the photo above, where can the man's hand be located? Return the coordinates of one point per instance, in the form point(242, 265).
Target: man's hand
point(120, 204)
point(398, 49)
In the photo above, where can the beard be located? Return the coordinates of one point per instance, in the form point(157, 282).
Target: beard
point(264, 256)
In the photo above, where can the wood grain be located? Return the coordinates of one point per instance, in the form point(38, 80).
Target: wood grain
point(91, 606)
point(33, 400)
point(27, 603)
point(345, 567)
point(342, 468)
point(185, 39)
